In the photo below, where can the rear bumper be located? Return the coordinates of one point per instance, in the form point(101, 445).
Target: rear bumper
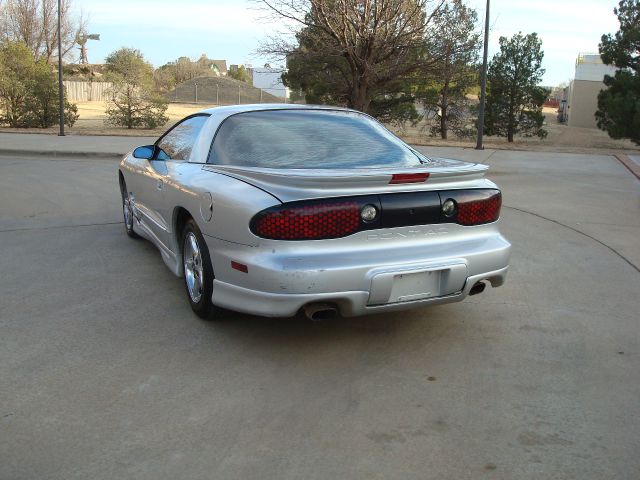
point(366, 274)
point(349, 304)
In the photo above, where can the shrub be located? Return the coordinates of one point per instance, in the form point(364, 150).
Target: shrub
point(133, 103)
point(29, 96)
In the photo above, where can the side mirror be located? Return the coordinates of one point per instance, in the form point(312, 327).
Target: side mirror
point(145, 153)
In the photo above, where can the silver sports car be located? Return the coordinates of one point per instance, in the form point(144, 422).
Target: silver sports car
point(272, 209)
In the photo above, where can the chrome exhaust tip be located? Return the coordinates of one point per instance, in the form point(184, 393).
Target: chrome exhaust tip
point(319, 311)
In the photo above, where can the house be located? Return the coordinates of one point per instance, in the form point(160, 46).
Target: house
point(219, 67)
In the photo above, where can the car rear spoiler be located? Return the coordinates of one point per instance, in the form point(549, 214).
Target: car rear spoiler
point(308, 183)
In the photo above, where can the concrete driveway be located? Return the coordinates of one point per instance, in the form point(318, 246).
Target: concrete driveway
point(106, 374)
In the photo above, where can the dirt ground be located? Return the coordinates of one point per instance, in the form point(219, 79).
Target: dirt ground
point(561, 138)
point(92, 117)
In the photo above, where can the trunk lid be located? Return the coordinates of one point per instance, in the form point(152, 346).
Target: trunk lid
point(299, 184)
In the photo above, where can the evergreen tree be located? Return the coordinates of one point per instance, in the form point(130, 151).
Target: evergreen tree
point(619, 105)
point(514, 99)
point(454, 72)
point(241, 74)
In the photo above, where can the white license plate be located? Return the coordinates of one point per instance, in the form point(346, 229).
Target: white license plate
point(415, 286)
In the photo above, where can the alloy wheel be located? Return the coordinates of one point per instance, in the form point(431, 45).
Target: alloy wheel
point(193, 271)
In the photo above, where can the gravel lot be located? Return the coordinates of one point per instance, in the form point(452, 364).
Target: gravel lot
point(106, 374)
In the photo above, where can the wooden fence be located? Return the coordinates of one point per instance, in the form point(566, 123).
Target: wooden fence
point(87, 91)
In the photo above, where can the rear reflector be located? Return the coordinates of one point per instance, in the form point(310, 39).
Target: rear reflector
point(310, 221)
point(397, 178)
point(241, 267)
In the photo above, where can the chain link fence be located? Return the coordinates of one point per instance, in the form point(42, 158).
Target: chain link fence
point(220, 91)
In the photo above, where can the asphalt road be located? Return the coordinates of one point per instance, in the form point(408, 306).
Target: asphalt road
point(106, 374)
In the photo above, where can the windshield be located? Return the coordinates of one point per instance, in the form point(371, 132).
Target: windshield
point(309, 139)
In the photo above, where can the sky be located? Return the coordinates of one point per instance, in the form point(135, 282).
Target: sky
point(232, 29)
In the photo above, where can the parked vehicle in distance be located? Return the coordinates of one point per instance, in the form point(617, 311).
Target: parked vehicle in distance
point(270, 209)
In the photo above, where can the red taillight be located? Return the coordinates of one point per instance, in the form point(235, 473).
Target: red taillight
point(314, 221)
point(480, 211)
point(328, 218)
point(397, 178)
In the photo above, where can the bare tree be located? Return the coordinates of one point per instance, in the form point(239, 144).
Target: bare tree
point(35, 23)
point(367, 43)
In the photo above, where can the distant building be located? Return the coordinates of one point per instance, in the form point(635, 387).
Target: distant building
point(218, 67)
point(270, 81)
point(582, 94)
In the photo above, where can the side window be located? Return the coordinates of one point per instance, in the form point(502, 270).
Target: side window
point(178, 142)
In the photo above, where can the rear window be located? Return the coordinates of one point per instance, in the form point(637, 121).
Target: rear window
point(308, 139)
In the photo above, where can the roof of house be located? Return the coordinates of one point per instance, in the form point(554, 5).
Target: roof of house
point(220, 64)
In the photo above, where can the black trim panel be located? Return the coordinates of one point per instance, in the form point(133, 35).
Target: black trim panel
point(412, 208)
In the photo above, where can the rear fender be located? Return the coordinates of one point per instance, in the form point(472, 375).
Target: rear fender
point(222, 206)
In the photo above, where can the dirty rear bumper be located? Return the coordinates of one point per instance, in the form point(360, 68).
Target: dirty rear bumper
point(349, 304)
point(358, 278)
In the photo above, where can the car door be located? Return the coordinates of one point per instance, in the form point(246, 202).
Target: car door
point(173, 148)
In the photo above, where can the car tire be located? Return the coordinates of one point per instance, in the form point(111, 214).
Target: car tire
point(127, 211)
point(198, 272)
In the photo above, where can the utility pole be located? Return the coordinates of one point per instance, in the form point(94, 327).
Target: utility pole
point(217, 94)
point(483, 83)
point(60, 85)
point(196, 92)
point(238, 94)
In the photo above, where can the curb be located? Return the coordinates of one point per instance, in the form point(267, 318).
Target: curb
point(632, 166)
point(58, 153)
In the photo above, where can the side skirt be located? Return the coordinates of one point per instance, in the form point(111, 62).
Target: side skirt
point(169, 257)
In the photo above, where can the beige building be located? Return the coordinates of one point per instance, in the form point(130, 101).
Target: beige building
point(584, 88)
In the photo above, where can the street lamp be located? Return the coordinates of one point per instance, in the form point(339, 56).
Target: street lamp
point(483, 83)
point(60, 86)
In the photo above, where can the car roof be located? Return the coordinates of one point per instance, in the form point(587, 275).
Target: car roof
point(233, 109)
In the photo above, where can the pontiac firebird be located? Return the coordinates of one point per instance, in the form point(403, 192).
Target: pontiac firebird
point(270, 210)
